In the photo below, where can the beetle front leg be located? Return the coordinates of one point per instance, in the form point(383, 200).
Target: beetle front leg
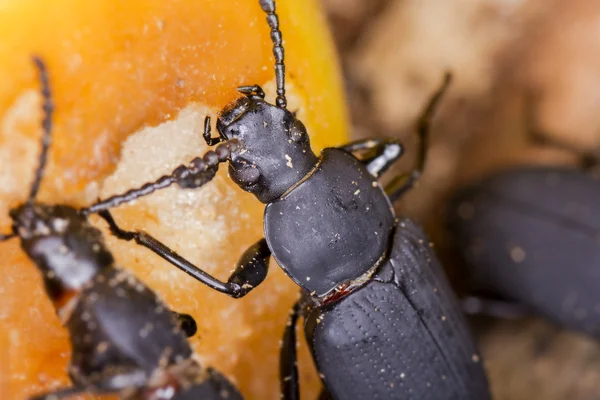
point(250, 271)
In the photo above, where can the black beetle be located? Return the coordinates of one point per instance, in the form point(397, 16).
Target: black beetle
point(530, 236)
point(123, 337)
point(380, 317)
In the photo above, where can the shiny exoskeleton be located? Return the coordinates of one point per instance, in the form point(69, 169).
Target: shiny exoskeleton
point(530, 236)
point(123, 338)
point(380, 317)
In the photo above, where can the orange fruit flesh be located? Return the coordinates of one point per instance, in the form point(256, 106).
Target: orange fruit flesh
point(132, 82)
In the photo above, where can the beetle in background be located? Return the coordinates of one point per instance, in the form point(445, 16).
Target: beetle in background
point(124, 339)
point(380, 318)
point(530, 236)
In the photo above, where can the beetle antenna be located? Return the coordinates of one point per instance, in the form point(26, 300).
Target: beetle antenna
point(197, 173)
point(48, 108)
point(268, 6)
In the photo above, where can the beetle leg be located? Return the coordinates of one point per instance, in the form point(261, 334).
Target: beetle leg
point(288, 358)
point(474, 305)
point(403, 183)
point(383, 152)
point(251, 269)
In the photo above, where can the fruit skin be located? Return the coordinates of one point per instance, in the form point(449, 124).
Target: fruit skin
point(117, 67)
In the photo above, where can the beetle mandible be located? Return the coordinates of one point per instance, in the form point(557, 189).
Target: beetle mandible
point(123, 338)
point(530, 236)
point(380, 318)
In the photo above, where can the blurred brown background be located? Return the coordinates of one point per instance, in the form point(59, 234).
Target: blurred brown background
point(516, 64)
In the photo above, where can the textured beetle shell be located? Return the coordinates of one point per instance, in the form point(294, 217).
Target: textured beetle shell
point(120, 323)
point(532, 235)
point(401, 336)
point(331, 228)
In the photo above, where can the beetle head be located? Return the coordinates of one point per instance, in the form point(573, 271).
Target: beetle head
point(275, 151)
point(65, 247)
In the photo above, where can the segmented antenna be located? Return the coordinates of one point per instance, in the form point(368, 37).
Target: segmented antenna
point(199, 172)
point(268, 6)
point(48, 109)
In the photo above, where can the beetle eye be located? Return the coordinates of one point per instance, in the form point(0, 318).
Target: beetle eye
point(243, 173)
point(297, 132)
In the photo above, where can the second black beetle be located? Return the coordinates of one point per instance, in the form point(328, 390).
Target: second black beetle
point(531, 236)
point(380, 317)
point(123, 337)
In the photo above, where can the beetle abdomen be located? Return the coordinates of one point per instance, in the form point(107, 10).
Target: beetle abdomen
point(532, 235)
point(119, 322)
point(402, 336)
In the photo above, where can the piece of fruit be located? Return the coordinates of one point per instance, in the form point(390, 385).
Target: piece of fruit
point(132, 82)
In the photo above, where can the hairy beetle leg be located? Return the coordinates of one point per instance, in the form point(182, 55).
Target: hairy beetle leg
point(250, 271)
